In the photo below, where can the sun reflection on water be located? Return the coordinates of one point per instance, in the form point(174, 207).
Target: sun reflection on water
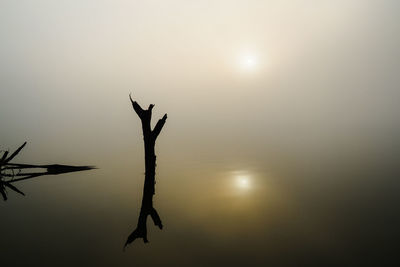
point(243, 182)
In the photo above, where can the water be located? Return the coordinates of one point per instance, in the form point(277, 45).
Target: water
point(210, 217)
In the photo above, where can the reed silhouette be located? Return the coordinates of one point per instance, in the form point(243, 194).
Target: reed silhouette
point(15, 172)
point(149, 137)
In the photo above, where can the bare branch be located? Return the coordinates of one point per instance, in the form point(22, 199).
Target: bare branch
point(138, 109)
point(3, 193)
point(8, 171)
point(14, 188)
point(15, 153)
point(3, 159)
point(156, 218)
point(139, 232)
point(150, 166)
point(157, 129)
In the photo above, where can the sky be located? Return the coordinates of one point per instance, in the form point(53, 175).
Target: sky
point(282, 119)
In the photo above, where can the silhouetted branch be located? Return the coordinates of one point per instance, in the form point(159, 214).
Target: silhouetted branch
point(3, 193)
point(54, 169)
point(150, 165)
point(15, 153)
point(139, 232)
point(157, 129)
point(9, 185)
point(156, 218)
point(138, 109)
point(3, 159)
point(8, 171)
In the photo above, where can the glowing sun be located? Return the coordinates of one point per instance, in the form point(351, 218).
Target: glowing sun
point(248, 62)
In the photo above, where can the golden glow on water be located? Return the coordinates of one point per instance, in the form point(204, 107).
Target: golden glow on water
point(243, 182)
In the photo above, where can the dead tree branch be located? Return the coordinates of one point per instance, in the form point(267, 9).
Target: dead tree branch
point(149, 137)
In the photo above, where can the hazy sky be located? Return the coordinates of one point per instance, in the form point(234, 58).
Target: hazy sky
point(300, 97)
point(325, 69)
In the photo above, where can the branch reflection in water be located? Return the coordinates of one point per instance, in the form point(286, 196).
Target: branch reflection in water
point(11, 173)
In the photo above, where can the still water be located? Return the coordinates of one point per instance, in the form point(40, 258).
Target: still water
point(214, 214)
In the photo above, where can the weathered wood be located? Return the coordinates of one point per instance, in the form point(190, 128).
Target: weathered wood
point(149, 137)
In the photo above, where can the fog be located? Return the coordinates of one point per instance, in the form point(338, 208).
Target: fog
point(299, 97)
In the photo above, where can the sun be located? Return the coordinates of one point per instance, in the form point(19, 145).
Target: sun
point(248, 62)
